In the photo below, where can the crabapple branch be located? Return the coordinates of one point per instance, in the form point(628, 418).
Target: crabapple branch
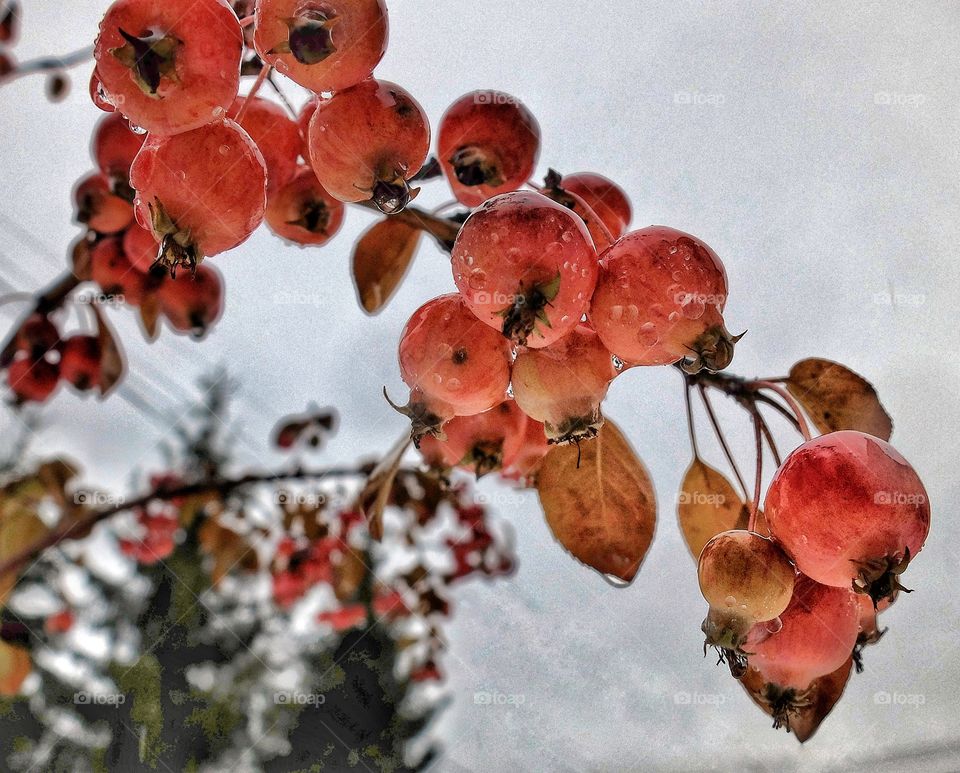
point(221, 486)
point(49, 64)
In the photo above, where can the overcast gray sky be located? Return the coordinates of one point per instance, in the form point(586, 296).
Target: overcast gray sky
point(817, 155)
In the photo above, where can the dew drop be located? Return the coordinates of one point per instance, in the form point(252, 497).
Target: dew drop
point(617, 363)
point(616, 313)
point(673, 249)
point(478, 280)
point(615, 582)
point(136, 129)
point(774, 626)
point(224, 150)
point(693, 306)
point(495, 237)
point(218, 112)
point(513, 255)
point(182, 175)
point(730, 601)
point(453, 384)
point(633, 313)
point(567, 237)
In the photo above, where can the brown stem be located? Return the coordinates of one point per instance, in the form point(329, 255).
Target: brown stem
point(723, 441)
point(222, 486)
point(49, 64)
point(690, 427)
point(48, 300)
point(788, 399)
point(443, 230)
point(755, 505)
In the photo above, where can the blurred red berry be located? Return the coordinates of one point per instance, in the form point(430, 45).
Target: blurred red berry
point(303, 122)
point(488, 143)
point(110, 268)
point(170, 67)
point(140, 247)
point(478, 443)
point(37, 336)
point(80, 362)
point(33, 380)
point(660, 299)
point(520, 463)
point(367, 142)
point(98, 208)
point(275, 135)
point(192, 303)
point(526, 266)
point(59, 622)
point(201, 192)
point(303, 212)
point(324, 46)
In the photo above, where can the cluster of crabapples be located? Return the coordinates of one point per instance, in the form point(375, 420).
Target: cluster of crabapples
point(523, 354)
point(845, 514)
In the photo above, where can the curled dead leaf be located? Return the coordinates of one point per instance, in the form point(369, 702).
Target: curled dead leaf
point(837, 398)
point(375, 496)
point(599, 502)
point(380, 261)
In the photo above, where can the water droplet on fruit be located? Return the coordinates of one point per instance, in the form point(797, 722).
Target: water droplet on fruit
point(774, 626)
point(495, 237)
point(673, 249)
point(218, 112)
point(692, 306)
point(633, 313)
point(617, 363)
point(648, 335)
point(136, 129)
point(224, 150)
point(182, 175)
point(453, 384)
point(478, 280)
point(616, 313)
point(673, 316)
point(730, 601)
point(437, 379)
point(469, 260)
point(513, 255)
point(567, 237)
point(676, 276)
point(615, 582)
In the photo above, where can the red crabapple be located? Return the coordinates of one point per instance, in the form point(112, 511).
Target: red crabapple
point(303, 212)
point(98, 208)
point(80, 361)
point(32, 380)
point(746, 579)
point(37, 336)
point(324, 45)
point(458, 364)
point(114, 148)
point(478, 443)
point(141, 247)
point(521, 461)
point(201, 192)
point(850, 511)
point(367, 142)
point(604, 197)
point(817, 633)
point(563, 384)
point(116, 276)
point(526, 266)
point(192, 303)
point(488, 143)
point(275, 135)
point(659, 300)
point(303, 122)
point(602, 238)
point(169, 66)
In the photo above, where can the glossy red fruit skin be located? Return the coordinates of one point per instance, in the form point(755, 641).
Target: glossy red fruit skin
point(116, 276)
point(367, 141)
point(451, 357)
point(522, 460)
point(303, 122)
point(192, 303)
point(201, 192)
point(478, 443)
point(98, 208)
point(32, 380)
point(80, 362)
point(818, 633)
point(562, 385)
point(141, 247)
point(488, 143)
point(203, 71)
point(847, 504)
point(276, 136)
point(659, 300)
point(115, 146)
point(358, 37)
point(97, 95)
point(302, 212)
point(607, 199)
point(514, 252)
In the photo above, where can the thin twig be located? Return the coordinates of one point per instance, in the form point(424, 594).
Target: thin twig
point(788, 399)
point(690, 427)
point(755, 504)
point(49, 64)
point(771, 442)
point(723, 440)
